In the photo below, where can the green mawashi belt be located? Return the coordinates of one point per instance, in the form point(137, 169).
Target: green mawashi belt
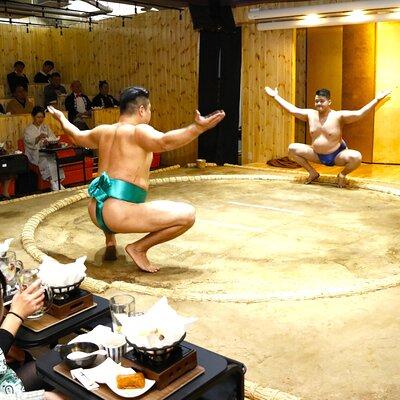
point(104, 187)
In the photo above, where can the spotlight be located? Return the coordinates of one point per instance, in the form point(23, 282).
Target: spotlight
point(312, 19)
point(357, 16)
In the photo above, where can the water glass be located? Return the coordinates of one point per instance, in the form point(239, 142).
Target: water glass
point(9, 266)
point(122, 306)
point(25, 278)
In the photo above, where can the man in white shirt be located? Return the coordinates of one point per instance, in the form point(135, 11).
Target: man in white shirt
point(78, 106)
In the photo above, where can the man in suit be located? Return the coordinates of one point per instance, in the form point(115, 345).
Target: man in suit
point(78, 106)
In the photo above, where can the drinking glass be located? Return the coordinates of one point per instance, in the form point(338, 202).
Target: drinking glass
point(122, 306)
point(25, 278)
point(9, 266)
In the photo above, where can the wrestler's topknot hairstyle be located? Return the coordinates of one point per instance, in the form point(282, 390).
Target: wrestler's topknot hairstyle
point(323, 93)
point(132, 98)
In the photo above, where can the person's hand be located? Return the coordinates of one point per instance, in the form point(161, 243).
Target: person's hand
point(57, 114)
point(384, 93)
point(209, 121)
point(41, 137)
point(29, 301)
point(271, 92)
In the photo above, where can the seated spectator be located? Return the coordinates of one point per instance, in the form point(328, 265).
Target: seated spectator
point(20, 104)
point(103, 99)
point(17, 77)
point(52, 91)
point(44, 75)
point(35, 138)
point(78, 106)
point(5, 179)
point(14, 381)
point(2, 111)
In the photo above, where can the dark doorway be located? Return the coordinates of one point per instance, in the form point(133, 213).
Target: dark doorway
point(219, 88)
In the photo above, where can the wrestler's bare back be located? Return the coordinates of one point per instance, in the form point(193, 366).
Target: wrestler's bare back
point(325, 131)
point(121, 156)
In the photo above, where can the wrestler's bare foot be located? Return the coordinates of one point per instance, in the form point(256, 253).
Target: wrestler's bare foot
point(139, 257)
point(312, 177)
point(110, 254)
point(341, 181)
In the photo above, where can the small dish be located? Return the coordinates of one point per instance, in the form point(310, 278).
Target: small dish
point(85, 347)
point(53, 141)
point(107, 373)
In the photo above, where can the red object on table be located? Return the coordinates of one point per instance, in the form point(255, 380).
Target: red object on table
point(73, 173)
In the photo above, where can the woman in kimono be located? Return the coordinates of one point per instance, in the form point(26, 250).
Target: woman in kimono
point(35, 137)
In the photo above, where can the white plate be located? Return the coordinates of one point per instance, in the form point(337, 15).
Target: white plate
point(107, 373)
point(128, 393)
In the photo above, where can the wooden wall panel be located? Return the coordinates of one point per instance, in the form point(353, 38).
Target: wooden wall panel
point(268, 58)
point(273, 58)
point(324, 63)
point(32, 48)
point(387, 127)
point(301, 83)
point(156, 50)
point(358, 85)
point(104, 116)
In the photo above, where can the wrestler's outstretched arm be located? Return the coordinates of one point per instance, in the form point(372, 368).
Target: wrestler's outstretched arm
point(300, 113)
point(154, 141)
point(87, 138)
point(352, 116)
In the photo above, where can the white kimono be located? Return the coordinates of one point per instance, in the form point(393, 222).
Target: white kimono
point(46, 162)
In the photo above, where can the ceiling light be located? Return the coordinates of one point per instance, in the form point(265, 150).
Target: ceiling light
point(312, 19)
point(274, 13)
point(358, 16)
point(119, 10)
point(79, 5)
point(328, 21)
point(395, 14)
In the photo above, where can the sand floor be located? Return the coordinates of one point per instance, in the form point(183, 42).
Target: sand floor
point(255, 237)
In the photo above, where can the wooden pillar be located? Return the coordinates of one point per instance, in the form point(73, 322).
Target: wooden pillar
point(387, 127)
point(358, 86)
point(300, 133)
point(324, 64)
